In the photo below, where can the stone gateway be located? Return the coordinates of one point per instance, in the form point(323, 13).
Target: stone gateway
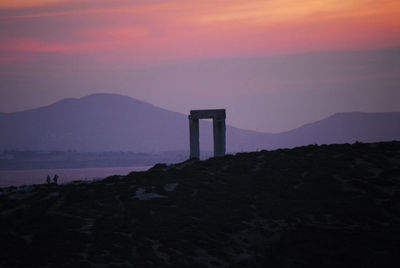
point(219, 131)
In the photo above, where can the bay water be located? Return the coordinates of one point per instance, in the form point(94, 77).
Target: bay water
point(38, 176)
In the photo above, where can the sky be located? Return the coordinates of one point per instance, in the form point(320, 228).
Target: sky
point(273, 64)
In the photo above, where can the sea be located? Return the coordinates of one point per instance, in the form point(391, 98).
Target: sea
point(65, 175)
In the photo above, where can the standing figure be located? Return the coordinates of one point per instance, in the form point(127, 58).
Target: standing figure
point(48, 179)
point(55, 179)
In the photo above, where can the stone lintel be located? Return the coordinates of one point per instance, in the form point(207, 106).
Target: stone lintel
point(204, 114)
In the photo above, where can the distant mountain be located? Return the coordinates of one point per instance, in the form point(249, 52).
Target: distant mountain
point(109, 122)
point(342, 128)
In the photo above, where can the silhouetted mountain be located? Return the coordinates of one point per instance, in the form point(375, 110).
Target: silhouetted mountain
point(342, 128)
point(313, 206)
point(109, 122)
point(103, 122)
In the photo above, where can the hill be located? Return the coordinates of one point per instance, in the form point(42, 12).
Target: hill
point(342, 128)
point(313, 206)
point(106, 122)
point(109, 122)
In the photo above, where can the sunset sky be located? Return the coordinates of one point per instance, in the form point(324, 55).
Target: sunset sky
point(183, 54)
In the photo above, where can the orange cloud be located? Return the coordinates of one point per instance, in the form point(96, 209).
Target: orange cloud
point(288, 10)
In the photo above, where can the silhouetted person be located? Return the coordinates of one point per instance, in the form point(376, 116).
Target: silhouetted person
point(55, 179)
point(48, 179)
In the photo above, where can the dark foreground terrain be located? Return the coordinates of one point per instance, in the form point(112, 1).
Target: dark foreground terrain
point(313, 206)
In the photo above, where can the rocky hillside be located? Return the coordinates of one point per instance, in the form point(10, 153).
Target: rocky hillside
point(313, 206)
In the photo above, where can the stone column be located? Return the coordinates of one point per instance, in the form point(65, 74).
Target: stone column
point(219, 130)
point(194, 138)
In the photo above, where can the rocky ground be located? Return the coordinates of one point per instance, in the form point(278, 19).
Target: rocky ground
point(313, 206)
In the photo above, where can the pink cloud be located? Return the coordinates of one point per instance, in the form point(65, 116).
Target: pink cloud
point(36, 45)
point(157, 31)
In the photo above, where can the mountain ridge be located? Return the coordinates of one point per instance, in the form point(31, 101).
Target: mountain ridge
point(111, 122)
